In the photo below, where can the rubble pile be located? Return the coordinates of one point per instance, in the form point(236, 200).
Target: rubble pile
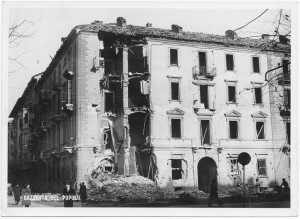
point(125, 188)
point(195, 194)
point(237, 190)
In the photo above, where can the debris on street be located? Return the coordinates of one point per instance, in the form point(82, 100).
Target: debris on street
point(125, 188)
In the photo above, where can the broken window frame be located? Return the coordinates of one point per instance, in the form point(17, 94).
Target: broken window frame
point(226, 64)
point(104, 101)
point(170, 57)
point(231, 84)
point(237, 120)
point(255, 69)
point(206, 106)
point(234, 166)
point(259, 173)
point(209, 131)
point(177, 169)
point(256, 132)
point(261, 130)
point(258, 99)
point(257, 85)
point(174, 80)
point(181, 127)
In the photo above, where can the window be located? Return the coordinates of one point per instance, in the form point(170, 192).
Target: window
point(288, 132)
point(108, 67)
point(26, 117)
point(285, 66)
point(205, 132)
point(233, 130)
point(174, 57)
point(287, 98)
point(176, 169)
point(255, 62)
point(204, 96)
point(260, 130)
point(262, 167)
point(202, 59)
point(174, 88)
point(69, 91)
point(176, 128)
point(257, 95)
point(109, 101)
point(229, 62)
point(175, 91)
point(234, 166)
point(231, 94)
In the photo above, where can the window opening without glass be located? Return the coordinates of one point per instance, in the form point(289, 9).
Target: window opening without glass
point(229, 62)
point(173, 56)
point(176, 128)
point(176, 169)
point(233, 129)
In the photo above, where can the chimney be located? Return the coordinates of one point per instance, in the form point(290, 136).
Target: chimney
point(231, 34)
point(121, 22)
point(176, 28)
point(265, 36)
point(148, 25)
point(97, 22)
point(284, 40)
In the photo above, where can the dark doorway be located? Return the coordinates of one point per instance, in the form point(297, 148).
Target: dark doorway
point(207, 170)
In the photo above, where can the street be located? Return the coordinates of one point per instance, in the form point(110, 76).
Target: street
point(283, 204)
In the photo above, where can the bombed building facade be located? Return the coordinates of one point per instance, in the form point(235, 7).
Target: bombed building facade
point(174, 106)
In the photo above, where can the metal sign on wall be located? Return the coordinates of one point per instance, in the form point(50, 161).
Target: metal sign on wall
point(244, 158)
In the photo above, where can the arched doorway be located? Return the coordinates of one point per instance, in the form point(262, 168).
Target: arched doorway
point(207, 170)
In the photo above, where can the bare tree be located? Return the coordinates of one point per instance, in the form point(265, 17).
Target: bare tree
point(19, 31)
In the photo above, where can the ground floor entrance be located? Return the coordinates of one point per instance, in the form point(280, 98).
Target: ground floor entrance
point(207, 170)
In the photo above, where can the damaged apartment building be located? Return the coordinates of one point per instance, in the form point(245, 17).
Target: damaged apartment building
point(176, 107)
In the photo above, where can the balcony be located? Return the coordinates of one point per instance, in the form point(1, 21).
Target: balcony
point(204, 71)
point(56, 118)
point(67, 108)
point(56, 86)
point(284, 79)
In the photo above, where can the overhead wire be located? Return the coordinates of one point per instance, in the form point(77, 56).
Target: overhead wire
point(251, 20)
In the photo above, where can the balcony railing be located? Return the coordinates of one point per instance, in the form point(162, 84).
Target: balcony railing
point(284, 79)
point(205, 71)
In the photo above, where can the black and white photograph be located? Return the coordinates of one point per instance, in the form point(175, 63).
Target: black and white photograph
point(149, 108)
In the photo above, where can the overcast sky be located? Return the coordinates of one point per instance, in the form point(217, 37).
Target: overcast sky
point(55, 21)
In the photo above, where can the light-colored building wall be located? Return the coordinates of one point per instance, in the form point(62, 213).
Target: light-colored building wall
point(188, 147)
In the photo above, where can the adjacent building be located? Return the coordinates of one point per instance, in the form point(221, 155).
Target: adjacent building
point(177, 107)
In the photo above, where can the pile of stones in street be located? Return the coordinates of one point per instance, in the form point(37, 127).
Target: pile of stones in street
point(237, 190)
point(110, 187)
